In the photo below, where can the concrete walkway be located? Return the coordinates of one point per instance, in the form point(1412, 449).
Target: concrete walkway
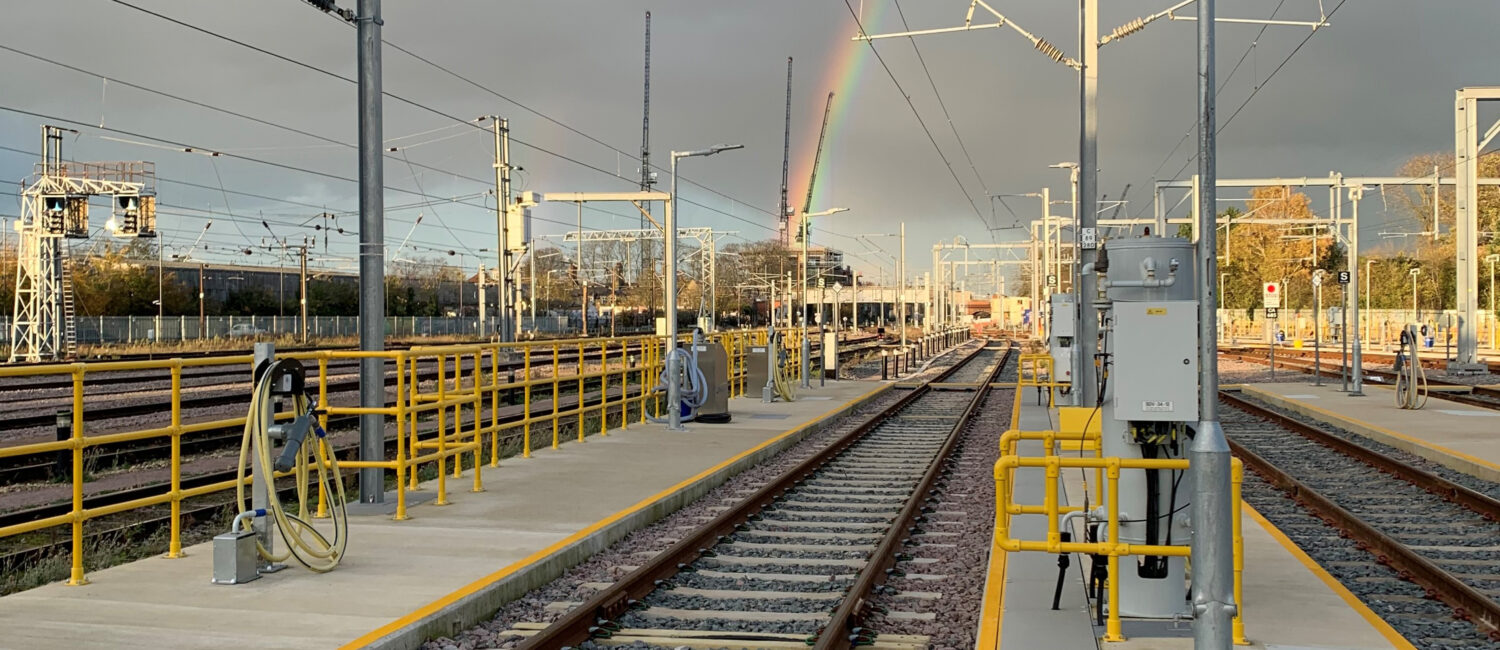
point(536, 517)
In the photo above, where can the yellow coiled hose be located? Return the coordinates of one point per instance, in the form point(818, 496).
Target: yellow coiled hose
point(785, 385)
point(304, 543)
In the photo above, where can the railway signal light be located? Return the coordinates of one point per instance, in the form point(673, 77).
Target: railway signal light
point(137, 216)
point(66, 216)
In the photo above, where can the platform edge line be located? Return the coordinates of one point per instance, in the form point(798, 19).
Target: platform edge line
point(992, 607)
point(416, 616)
point(1333, 583)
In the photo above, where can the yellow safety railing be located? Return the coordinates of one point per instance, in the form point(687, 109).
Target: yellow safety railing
point(1036, 370)
point(1053, 508)
point(466, 400)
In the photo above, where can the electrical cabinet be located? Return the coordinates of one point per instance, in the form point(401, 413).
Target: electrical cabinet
point(1154, 375)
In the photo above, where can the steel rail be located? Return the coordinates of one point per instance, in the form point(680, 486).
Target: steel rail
point(1480, 503)
point(844, 628)
point(583, 621)
point(1467, 602)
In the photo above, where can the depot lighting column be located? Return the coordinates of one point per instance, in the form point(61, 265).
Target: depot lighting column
point(674, 386)
point(371, 254)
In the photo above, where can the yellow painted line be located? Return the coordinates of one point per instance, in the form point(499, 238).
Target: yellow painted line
point(992, 616)
point(1339, 417)
point(1333, 583)
point(473, 587)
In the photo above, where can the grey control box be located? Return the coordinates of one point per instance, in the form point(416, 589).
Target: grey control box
point(1154, 377)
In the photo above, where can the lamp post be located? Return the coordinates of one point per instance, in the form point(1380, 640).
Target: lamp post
point(804, 234)
point(674, 387)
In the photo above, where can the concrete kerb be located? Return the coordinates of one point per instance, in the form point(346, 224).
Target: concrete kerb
point(1430, 452)
point(480, 605)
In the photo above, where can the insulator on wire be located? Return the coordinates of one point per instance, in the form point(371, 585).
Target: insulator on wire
point(1049, 50)
point(1127, 29)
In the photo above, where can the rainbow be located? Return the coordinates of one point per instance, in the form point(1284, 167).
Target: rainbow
point(842, 74)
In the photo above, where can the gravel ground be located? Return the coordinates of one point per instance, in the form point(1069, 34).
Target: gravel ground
point(964, 503)
point(617, 560)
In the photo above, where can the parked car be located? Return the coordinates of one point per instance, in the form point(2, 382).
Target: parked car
point(245, 329)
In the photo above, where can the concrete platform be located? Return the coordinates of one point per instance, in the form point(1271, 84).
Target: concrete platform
point(1289, 601)
point(1455, 435)
point(537, 517)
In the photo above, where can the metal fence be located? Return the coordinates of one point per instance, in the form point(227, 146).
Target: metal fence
point(1379, 327)
point(96, 330)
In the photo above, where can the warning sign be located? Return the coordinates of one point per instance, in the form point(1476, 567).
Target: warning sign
point(1270, 295)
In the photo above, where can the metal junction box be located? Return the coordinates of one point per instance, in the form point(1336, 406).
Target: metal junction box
point(235, 558)
point(714, 362)
point(1155, 373)
point(757, 369)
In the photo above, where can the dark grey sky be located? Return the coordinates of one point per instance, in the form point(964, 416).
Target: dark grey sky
point(1360, 97)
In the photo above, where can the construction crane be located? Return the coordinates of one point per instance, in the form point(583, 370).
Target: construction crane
point(647, 177)
point(813, 177)
point(786, 153)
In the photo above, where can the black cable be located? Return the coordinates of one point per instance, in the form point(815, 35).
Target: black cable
point(424, 107)
point(920, 122)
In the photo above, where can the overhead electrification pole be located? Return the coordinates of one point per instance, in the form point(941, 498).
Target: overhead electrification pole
point(502, 225)
point(371, 253)
point(1208, 455)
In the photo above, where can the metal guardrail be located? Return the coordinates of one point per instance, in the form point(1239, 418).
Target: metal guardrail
point(1053, 509)
point(612, 376)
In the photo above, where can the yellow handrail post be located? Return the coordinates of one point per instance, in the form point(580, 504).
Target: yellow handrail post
point(412, 445)
point(1112, 628)
point(624, 385)
point(442, 431)
point(494, 405)
point(458, 414)
point(401, 411)
point(1236, 479)
point(556, 386)
point(525, 405)
point(603, 388)
point(479, 421)
point(582, 363)
point(77, 577)
point(174, 547)
point(322, 512)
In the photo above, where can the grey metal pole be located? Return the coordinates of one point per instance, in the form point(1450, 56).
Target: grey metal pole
point(1088, 197)
point(502, 219)
point(1356, 361)
point(669, 255)
point(1208, 456)
point(371, 253)
point(1317, 333)
point(901, 285)
point(806, 344)
point(531, 257)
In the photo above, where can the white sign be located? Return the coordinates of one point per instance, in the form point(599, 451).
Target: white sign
point(1088, 238)
point(1270, 295)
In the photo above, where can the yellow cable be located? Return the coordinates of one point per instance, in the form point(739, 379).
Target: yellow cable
point(304, 543)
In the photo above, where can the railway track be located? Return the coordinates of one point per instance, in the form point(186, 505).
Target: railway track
point(1480, 396)
point(802, 559)
point(1425, 548)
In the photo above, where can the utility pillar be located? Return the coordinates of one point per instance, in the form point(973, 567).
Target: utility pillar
point(371, 252)
point(1088, 196)
point(502, 231)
